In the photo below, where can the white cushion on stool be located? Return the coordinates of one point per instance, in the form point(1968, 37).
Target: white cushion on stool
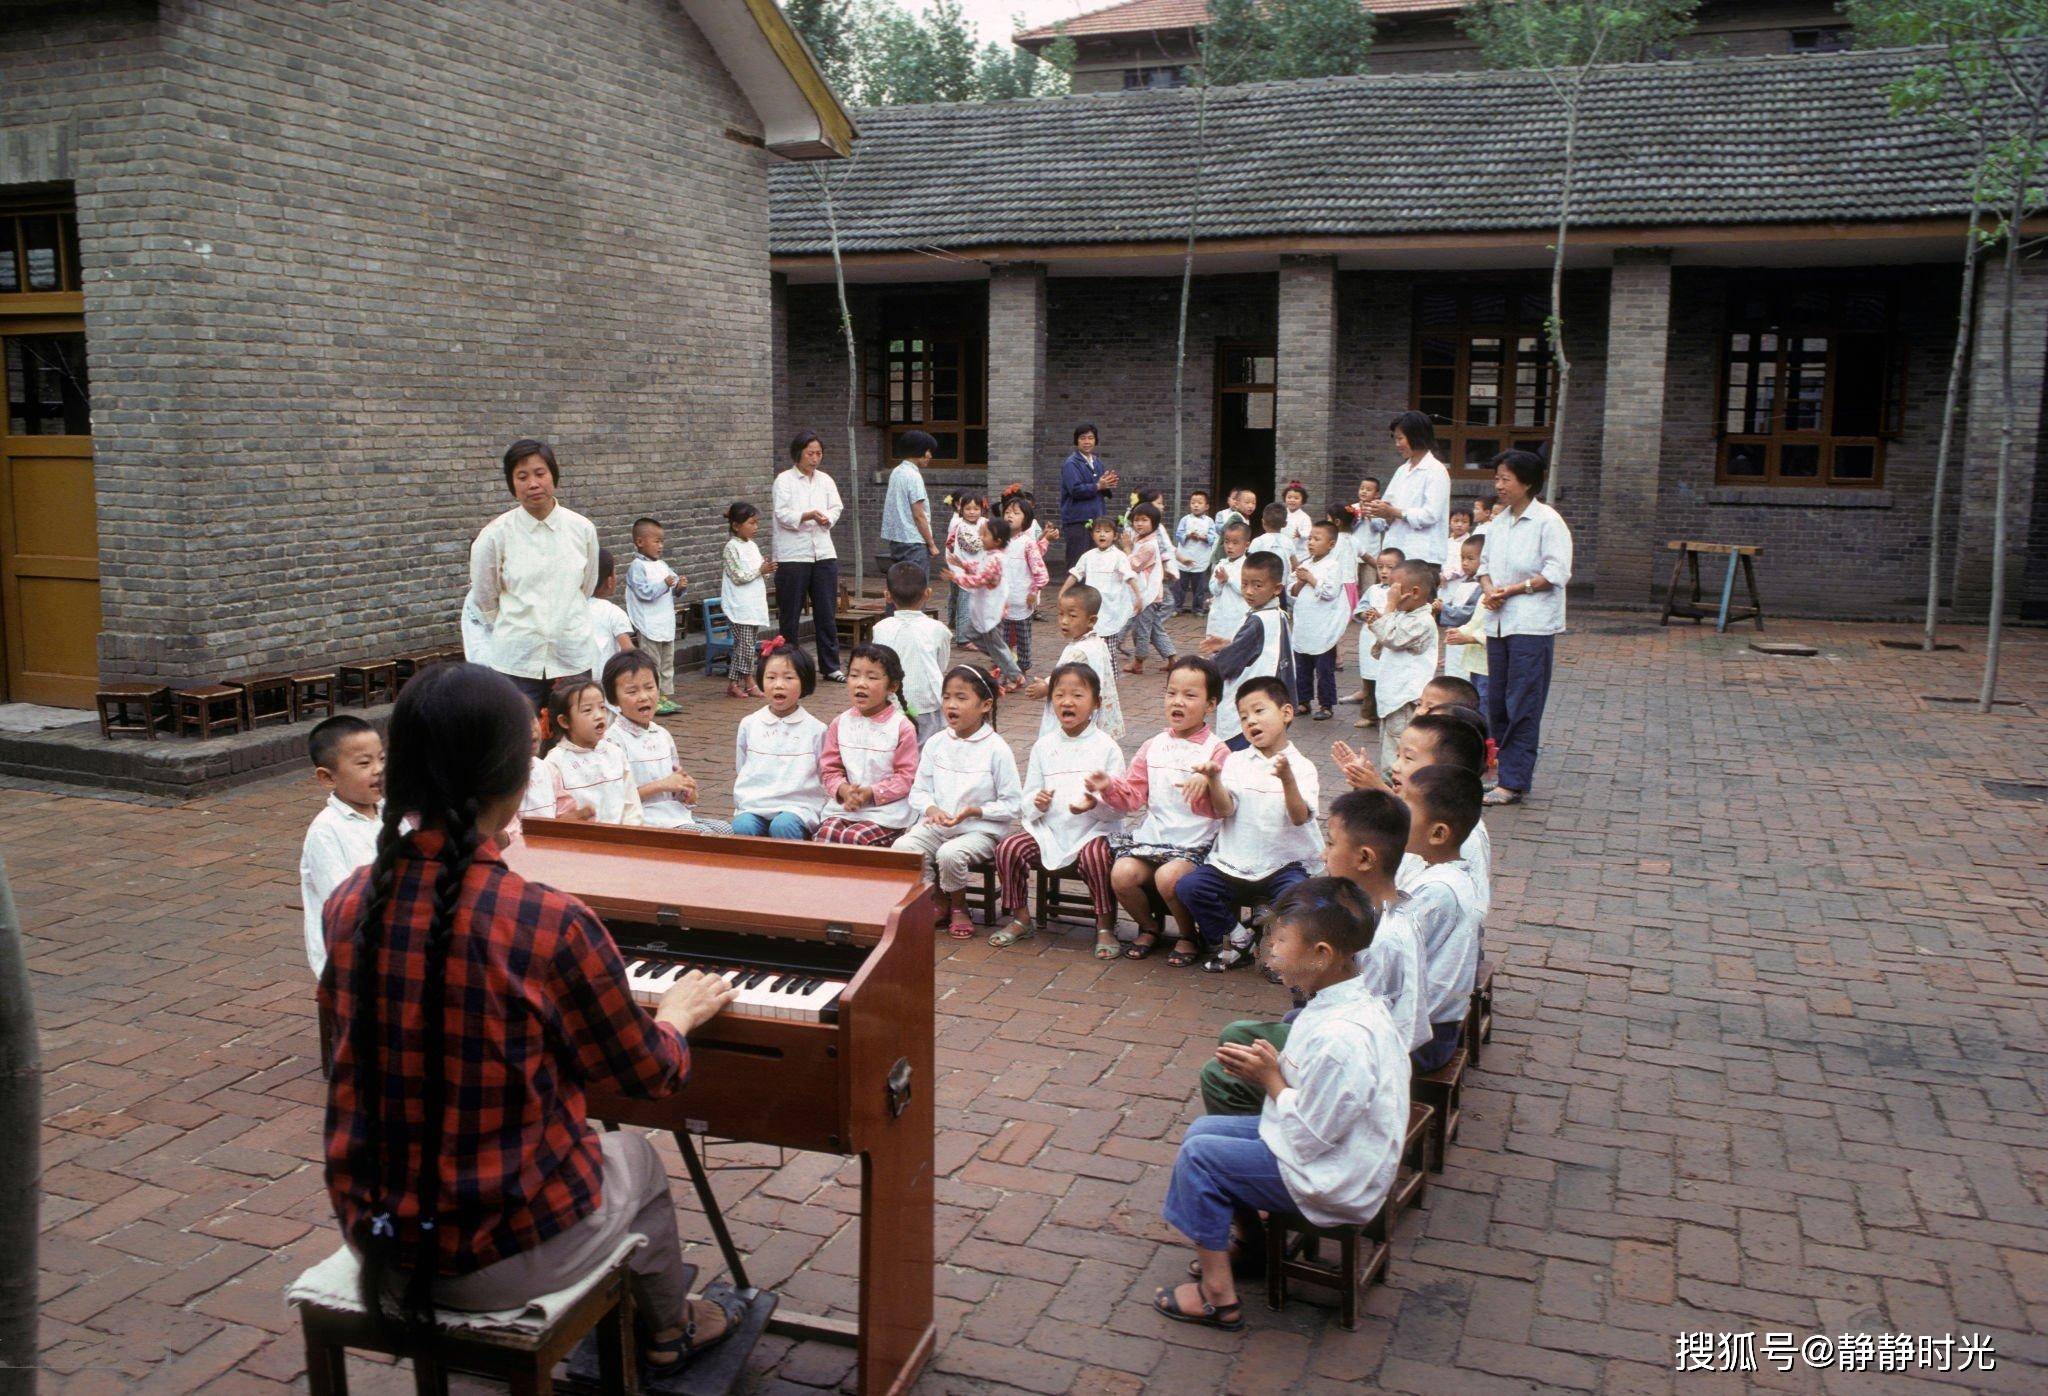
point(336, 1283)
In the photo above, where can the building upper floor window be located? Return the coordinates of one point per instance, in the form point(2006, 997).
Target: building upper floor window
point(1829, 38)
point(1483, 369)
point(1811, 383)
point(1155, 77)
point(38, 250)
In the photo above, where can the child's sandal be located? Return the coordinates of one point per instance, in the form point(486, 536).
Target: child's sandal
point(1228, 1317)
point(1143, 946)
point(1181, 959)
point(1018, 929)
point(960, 926)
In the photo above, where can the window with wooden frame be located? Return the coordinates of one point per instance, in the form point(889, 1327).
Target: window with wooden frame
point(1812, 382)
point(1482, 370)
point(38, 249)
point(935, 380)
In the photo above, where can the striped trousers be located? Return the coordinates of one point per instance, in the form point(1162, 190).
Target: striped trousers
point(1017, 856)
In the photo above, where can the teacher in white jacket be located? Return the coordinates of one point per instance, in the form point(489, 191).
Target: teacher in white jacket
point(806, 506)
point(1416, 504)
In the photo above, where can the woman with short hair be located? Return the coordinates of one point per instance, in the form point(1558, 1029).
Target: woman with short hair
point(805, 509)
point(531, 572)
point(1084, 486)
point(1416, 504)
point(1522, 576)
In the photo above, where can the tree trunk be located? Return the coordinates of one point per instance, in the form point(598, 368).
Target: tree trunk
point(1965, 317)
point(1562, 386)
point(1187, 281)
point(21, 1111)
point(2006, 425)
point(853, 394)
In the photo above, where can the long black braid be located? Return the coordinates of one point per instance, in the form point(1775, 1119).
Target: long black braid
point(460, 738)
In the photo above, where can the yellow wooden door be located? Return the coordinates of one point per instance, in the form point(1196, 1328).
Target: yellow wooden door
point(49, 533)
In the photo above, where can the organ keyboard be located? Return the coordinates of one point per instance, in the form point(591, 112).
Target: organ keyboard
point(828, 1046)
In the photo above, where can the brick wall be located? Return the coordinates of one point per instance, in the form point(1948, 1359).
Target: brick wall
point(1632, 428)
point(337, 257)
point(1984, 426)
point(1306, 400)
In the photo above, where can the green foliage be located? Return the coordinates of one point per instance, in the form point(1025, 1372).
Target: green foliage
point(878, 54)
point(1560, 34)
point(1269, 40)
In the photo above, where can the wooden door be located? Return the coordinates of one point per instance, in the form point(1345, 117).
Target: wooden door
point(1245, 436)
point(49, 533)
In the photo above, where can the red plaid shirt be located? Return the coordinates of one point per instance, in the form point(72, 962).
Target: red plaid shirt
point(537, 1009)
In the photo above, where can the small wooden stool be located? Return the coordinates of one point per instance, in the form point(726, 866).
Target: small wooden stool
point(1689, 551)
point(1058, 901)
point(357, 685)
point(409, 664)
point(313, 694)
point(1479, 1017)
point(1440, 1091)
point(211, 708)
point(1362, 1251)
point(267, 698)
point(984, 900)
point(523, 1356)
point(134, 710)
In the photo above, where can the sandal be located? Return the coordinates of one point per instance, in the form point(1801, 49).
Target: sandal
point(682, 1349)
point(1181, 959)
point(1501, 795)
point(1143, 946)
point(1018, 929)
point(960, 925)
point(1106, 946)
point(1230, 957)
point(1228, 1317)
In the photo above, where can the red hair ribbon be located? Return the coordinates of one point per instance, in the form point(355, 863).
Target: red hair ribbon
point(771, 645)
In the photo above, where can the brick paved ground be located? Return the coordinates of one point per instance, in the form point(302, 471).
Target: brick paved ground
point(1774, 998)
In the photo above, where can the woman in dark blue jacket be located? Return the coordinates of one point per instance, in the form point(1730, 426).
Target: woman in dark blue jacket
point(1084, 484)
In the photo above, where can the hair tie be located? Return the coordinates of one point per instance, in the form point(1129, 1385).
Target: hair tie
point(772, 645)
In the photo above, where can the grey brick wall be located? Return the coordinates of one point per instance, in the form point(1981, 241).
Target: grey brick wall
point(336, 257)
point(1016, 382)
point(1306, 374)
point(1985, 425)
point(1632, 429)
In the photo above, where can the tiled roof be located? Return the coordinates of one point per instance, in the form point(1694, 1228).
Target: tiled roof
point(1732, 140)
point(1143, 16)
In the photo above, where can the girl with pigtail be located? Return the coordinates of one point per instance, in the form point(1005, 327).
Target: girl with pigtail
point(471, 1011)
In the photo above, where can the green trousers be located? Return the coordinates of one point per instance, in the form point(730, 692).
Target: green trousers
point(1224, 1094)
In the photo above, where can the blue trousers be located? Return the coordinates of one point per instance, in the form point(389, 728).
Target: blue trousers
point(1440, 1048)
point(1194, 589)
point(1213, 897)
point(1222, 1168)
point(1517, 687)
point(775, 826)
point(1315, 679)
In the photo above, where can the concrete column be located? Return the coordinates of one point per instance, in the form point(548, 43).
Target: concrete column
point(1305, 396)
point(1016, 385)
point(1632, 431)
point(1977, 456)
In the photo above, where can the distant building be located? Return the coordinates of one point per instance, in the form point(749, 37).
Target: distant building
point(1152, 43)
point(1760, 306)
point(278, 284)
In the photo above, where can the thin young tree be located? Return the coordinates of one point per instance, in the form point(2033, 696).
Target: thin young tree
point(1564, 42)
point(853, 389)
point(21, 1120)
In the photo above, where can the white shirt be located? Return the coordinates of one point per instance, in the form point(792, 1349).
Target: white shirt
point(775, 765)
point(544, 792)
point(1148, 561)
point(1423, 490)
point(1392, 968)
point(1061, 764)
point(338, 841)
point(1111, 574)
point(1373, 598)
point(1259, 838)
point(796, 538)
point(1226, 598)
point(1407, 641)
point(1477, 853)
point(529, 579)
point(867, 748)
point(983, 609)
point(1336, 1131)
point(1274, 543)
point(650, 601)
point(1157, 772)
point(1267, 665)
point(607, 624)
point(1320, 612)
point(956, 772)
point(1520, 548)
point(924, 645)
point(744, 602)
point(1197, 535)
point(1299, 526)
point(1017, 577)
point(476, 634)
point(1444, 908)
point(598, 779)
point(1092, 650)
point(650, 754)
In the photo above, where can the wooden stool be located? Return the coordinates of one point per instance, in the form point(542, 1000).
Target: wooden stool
point(1688, 552)
point(211, 708)
point(313, 694)
point(1440, 1090)
point(357, 685)
point(1362, 1251)
point(267, 698)
point(985, 900)
point(406, 665)
point(133, 710)
point(1479, 1017)
point(523, 1356)
point(1058, 901)
point(1411, 1181)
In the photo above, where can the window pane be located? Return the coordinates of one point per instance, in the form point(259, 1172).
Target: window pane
point(1746, 459)
point(1488, 306)
point(1486, 357)
point(1532, 307)
point(1859, 385)
point(10, 273)
point(1532, 382)
point(1258, 411)
point(948, 447)
point(1264, 370)
point(1436, 309)
point(1806, 361)
point(1478, 451)
point(973, 383)
point(39, 251)
point(47, 393)
point(1237, 368)
point(977, 446)
point(1855, 463)
point(1798, 462)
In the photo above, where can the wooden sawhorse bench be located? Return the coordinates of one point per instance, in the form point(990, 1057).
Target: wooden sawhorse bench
point(1689, 552)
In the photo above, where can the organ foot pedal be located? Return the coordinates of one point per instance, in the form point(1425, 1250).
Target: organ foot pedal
point(714, 1373)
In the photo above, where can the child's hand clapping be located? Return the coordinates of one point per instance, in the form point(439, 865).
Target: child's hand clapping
point(1284, 769)
point(1357, 771)
point(1042, 801)
point(1082, 805)
point(1037, 688)
point(1212, 643)
point(1256, 1064)
point(1096, 783)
